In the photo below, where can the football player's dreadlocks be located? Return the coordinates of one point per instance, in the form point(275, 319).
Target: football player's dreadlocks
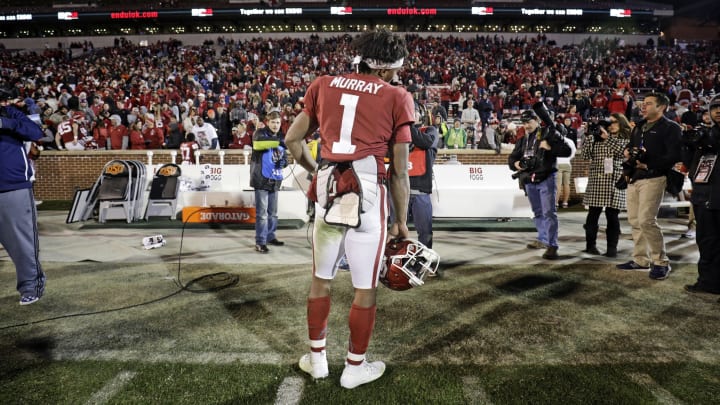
point(380, 46)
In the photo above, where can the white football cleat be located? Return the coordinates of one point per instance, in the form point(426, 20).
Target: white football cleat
point(317, 369)
point(366, 372)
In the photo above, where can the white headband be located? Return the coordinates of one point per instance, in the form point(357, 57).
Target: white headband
point(376, 64)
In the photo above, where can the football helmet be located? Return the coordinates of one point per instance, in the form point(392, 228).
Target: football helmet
point(406, 264)
point(79, 117)
point(89, 143)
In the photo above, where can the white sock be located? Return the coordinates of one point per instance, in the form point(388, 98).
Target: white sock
point(316, 357)
point(356, 358)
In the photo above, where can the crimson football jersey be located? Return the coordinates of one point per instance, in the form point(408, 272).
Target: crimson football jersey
point(187, 151)
point(65, 128)
point(359, 115)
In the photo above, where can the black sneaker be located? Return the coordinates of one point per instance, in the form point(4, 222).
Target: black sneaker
point(551, 253)
point(261, 248)
point(660, 272)
point(631, 265)
point(536, 244)
point(343, 264)
point(276, 242)
point(592, 250)
point(29, 299)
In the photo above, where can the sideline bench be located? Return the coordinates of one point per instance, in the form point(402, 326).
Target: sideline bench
point(477, 191)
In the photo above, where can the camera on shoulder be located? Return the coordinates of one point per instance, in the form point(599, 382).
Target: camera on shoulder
point(700, 137)
point(597, 121)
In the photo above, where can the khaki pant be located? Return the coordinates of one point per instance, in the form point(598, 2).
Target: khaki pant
point(643, 203)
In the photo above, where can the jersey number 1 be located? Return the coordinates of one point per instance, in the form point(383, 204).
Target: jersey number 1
point(344, 145)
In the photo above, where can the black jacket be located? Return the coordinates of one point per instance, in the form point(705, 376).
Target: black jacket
point(426, 139)
point(707, 194)
point(663, 143)
point(546, 160)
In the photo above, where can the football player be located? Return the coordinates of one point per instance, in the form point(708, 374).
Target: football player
point(72, 131)
point(188, 148)
point(361, 118)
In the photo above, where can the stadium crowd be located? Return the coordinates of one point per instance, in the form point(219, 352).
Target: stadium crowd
point(130, 96)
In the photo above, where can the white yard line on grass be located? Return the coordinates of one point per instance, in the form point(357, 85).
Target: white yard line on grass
point(662, 395)
point(474, 392)
point(274, 358)
point(290, 391)
point(111, 388)
point(175, 357)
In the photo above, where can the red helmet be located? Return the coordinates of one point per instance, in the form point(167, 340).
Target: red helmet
point(90, 144)
point(407, 262)
point(79, 117)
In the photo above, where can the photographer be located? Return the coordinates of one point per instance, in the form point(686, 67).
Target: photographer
point(603, 146)
point(534, 159)
point(700, 154)
point(18, 216)
point(653, 150)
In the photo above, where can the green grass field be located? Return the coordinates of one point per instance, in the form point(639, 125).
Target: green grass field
point(570, 334)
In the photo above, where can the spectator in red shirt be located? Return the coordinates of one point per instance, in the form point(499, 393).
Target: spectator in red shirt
point(617, 103)
point(136, 137)
point(154, 136)
point(118, 133)
point(575, 118)
point(600, 101)
point(101, 134)
point(286, 117)
point(240, 137)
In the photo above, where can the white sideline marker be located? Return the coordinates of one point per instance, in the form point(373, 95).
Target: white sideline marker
point(176, 357)
point(662, 395)
point(473, 391)
point(111, 388)
point(290, 391)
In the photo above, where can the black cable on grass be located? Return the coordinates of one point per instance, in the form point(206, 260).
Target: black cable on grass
point(104, 311)
point(224, 279)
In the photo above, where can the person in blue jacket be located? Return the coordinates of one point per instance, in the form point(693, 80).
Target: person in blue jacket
point(268, 159)
point(18, 216)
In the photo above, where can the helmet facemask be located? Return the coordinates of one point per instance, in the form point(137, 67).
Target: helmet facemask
point(408, 263)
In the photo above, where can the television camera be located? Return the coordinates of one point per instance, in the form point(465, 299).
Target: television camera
point(597, 121)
